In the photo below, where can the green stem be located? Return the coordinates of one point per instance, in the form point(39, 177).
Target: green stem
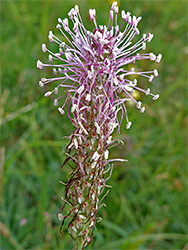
point(77, 244)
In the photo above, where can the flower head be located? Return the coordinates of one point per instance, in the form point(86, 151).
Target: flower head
point(96, 63)
point(90, 71)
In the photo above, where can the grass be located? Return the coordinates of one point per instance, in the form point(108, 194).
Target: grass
point(147, 206)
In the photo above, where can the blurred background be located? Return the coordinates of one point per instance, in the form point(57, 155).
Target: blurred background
point(146, 207)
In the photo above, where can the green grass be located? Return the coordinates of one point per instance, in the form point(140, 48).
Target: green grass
point(146, 208)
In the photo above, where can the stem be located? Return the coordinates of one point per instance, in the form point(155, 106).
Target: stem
point(87, 181)
point(77, 244)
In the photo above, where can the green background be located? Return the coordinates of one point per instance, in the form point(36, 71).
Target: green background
point(146, 207)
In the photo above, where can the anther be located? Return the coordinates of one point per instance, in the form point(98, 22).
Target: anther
point(50, 36)
point(116, 9)
point(65, 24)
point(50, 58)
point(41, 84)
point(61, 111)
point(128, 125)
point(134, 21)
point(55, 102)
point(159, 57)
point(151, 78)
point(150, 36)
point(155, 97)
point(111, 14)
point(142, 110)
point(44, 48)
point(39, 64)
point(106, 153)
point(92, 14)
point(80, 89)
point(138, 19)
point(144, 37)
point(147, 91)
point(74, 107)
point(58, 26)
point(56, 91)
point(60, 20)
point(88, 97)
point(48, 93)
point(143, 46)
point(60, 71)
point(76, 9)
point(155, 72)
point(123, 15)
point(135, 82)
point(137, 31)
point(113, 5)
point(60, 217)
point(152, 57)
point(138, 106)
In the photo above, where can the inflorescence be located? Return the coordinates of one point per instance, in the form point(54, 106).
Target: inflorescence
point(97, 60)
point(90, 71)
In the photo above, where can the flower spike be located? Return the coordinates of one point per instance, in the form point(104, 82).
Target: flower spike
point(90, 73)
